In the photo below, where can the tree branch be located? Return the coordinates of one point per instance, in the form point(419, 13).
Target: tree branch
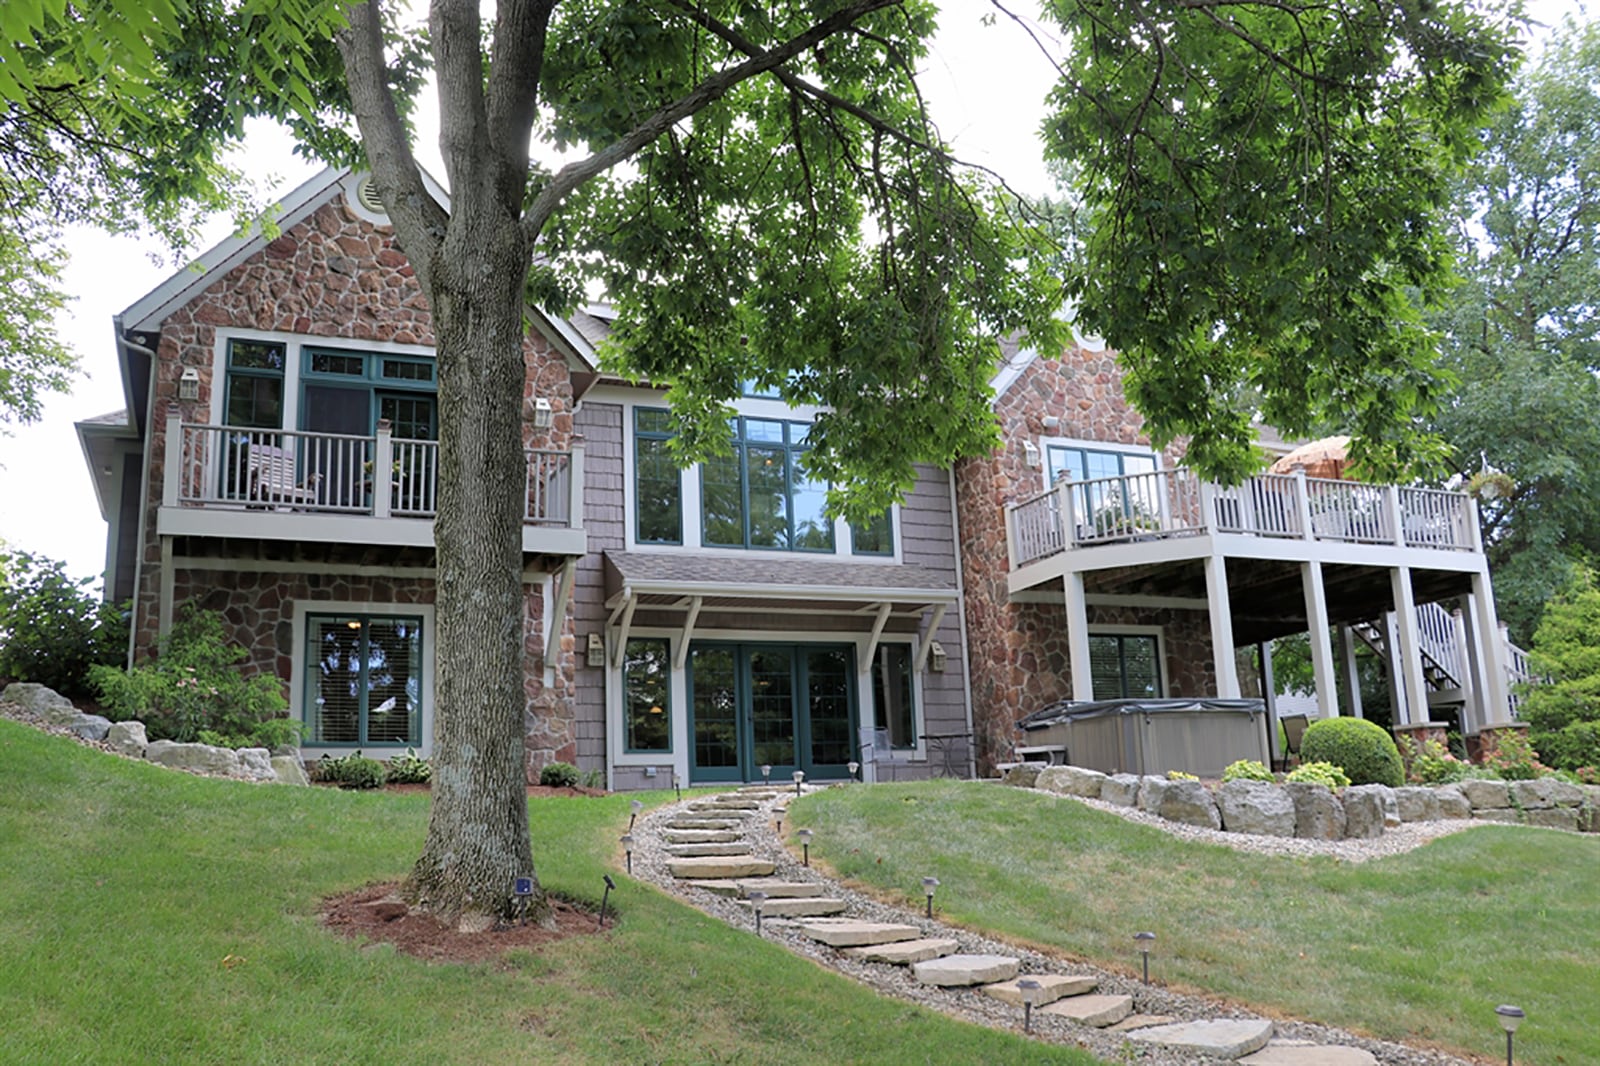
point(517, 61)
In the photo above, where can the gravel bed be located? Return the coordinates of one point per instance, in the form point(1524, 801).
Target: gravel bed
point(650, 860)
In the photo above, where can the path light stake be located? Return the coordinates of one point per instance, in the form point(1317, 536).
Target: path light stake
point(805, 845)
point(610, 884)
point(766, 773)
point(1146, 941)
point(757, 900)
point(1510, 1018)
point(522, 889)
point(627, 846)
point(799, 776)
point(928, 885)
point(777, 812)
point(853, 767)
point(637, 805)
point(677, 785)
point(1030, 991)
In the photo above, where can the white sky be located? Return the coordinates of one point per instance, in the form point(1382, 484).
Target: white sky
point(985, 85)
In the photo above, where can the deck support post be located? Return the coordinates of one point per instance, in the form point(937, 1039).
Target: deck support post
point(1222, 654)
point(1321, 646)
point(1491, 652)
point(1078, 637)
point(1415, 684)
point(1269, 694)
point(1352, 676)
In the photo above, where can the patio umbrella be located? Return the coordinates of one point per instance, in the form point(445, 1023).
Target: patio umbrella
point(1321, 458)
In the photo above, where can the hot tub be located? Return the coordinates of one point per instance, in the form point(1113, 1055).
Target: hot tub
point(1197, 736)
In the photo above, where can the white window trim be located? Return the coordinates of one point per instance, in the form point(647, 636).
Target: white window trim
point(1159, 632)
point(1142, 450)
point(303, 609)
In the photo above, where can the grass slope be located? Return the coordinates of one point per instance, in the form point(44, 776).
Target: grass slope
point(1416, 947)
point(123, 887)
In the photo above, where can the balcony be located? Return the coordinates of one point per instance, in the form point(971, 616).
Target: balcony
point(224, 481)
point(1173, 514)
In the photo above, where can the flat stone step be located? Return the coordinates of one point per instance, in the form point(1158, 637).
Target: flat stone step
point(1228, 1038)
point(904, 952)
point(846, 933)
point(690, 850)
point(1305, 1053)
point(1052, 986)
point(1141, 1021)
point(760, 792)
point(711, 824)
point(712, 866)
point(701, 836)
point(733, 803)
point(722, 810)
point(776, 888)
point(1096, 1011)
point(953, 971)
point(728, 887)
point(800, 907)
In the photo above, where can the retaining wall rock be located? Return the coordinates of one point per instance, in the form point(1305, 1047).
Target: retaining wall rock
point(1417, 803)
point(1486, 795)
point(1363, 811)
point(200, 758)
point(1120, 789)
point(1453, 803)
point(1189, 803)
point(1023, 775)
point(288, 770)
point(1545, 792)
point(1496, 814)
point(1151, 791)
point(1318, 814)
point(128, 738)
point(42, 700)
point(1554, 818)
point(1071, 781)
point(1256, 807)
point(88, 726)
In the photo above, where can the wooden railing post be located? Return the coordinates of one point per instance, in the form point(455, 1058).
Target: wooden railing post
point(575, 485)
point(172, 471)
point(1397, 515)
point(1068, 510)
point(1302, 503)
point(1009, 513)
point(1208, 507)
point(383, 470)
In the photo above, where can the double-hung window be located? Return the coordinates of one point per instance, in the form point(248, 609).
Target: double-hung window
point(1125, 666)
point(365, 686)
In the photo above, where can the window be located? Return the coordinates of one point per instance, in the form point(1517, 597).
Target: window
point(1125, 666)
point(759, 497)
point(892, 694)
point(874, 538)
point(1087, 464)
point(658, 483)
point(255, 384)
point(646, 714)
point(366, 689)
point(347, 392)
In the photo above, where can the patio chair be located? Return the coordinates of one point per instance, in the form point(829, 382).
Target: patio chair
point(272, 478)
point(1294, 730)
point(879, 754)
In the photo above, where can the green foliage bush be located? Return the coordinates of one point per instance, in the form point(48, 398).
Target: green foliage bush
point(1564, 712)
point(1319, 773)
point(1179, 775)
point(1574, 746)
point(1246, 770)
point(1514, 759)
point(558, 775)
point(52, 629)
point(1360, 748)
point(410, 769)
point(1431, 763)
point(354, 771)
point(194, 691)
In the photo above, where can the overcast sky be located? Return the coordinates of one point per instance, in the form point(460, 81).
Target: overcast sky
point(985, 85)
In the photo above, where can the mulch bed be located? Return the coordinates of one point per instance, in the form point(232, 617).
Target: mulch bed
point(540, 791)
point(374, 914)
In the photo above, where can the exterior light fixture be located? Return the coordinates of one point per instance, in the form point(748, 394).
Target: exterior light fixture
point(805, 845)
point(1052, 423)
point(766, 774)
point(1030, 993)
point(189, 385)
point(677, 784)
point(595, 652)
point(854, 768)
point(627, 846)
point(1145, 941)
point(937, 658)
point(637, 805)
point(522, 889)
point(799, 776)
point(1030, 453)
point(757, 901)
point(1510, 1017)
point(777, 812)
point(543, 413)
point(928, 886)
point(610, 884)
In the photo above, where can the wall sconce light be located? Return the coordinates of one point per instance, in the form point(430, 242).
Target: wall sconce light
point(937, 658)
point(1052, 424)
point(543, 413)
point(189, 385)
point(597, 650)
point(1030, 454)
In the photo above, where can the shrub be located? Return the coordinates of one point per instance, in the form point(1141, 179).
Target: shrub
point(1319, 773)
point(1179, 775)
point(194, 686)
point(1432, 763)
point(1514, 759)
point(52, 629)
point(1566, 648)
point(558, 775)
point(350, 771)
point(1360, 748)
point(1572, 747)
point(409, 769)
point(1246, 770)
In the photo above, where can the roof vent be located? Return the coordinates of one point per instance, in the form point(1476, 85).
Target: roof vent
point(367, 196)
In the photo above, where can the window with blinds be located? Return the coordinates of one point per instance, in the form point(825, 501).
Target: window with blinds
point(366, 687)
point(1124, 666)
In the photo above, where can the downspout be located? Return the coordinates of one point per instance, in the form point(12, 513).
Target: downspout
point(144, 478)
point(961, 617)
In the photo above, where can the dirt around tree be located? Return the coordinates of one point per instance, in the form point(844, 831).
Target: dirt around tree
point(377, 914)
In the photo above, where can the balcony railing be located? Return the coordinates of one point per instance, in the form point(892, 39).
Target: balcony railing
point(1175, 503)
point(380, 476)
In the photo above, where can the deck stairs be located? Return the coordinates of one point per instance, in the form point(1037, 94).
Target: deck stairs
point(1444, 655)
point(739, 823)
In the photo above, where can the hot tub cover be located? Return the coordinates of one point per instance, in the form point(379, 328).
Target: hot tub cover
point(1077, 711)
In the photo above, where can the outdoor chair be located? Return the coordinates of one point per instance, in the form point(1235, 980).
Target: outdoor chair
point(1294, 730)
point(879, 754)
point(272, 478)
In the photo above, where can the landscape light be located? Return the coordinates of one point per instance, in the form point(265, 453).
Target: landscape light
point(766, 773)
point(1510, 1017)
point(853, 767)
point(1146, 941)
point(757, 900)
point(637, 805)
point(610, 884)
point(799, 776)
point(627, 846)
point(928, 885)
point(777, 812)
point(677, 785)
point(805, 845)
point(1030, 992)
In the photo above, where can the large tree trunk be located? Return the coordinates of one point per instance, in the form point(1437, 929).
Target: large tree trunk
point(478, 827)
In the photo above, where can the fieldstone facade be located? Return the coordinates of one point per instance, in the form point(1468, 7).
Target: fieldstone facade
point(1019, 650)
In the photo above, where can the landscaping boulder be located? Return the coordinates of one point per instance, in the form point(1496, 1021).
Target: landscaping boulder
point(88, 726)
point(1318, 814)
point(256, 764)
point(1486, 795)
point(1545, 792)
point(1022, 775)
point(1188, 803)
point(1120, 789)
point(1363, 811)
point(1391, 807)
point(1554, 818)
point(1417, 803)
point(1256, 807)
point(42, 700)
point(128, 738)
point(1151, 791)
point(1589, 818)
point(1071, 781)
point(1497, 814)
point(1453, 803)
point(196, 758)
point(288, 770)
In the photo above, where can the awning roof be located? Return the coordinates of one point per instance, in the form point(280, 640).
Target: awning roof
point(664, 578)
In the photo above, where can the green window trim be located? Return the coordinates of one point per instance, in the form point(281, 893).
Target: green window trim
point(364, 680)
point(657, 513)
point(764, 463)
point(253, 391)
point(647, 696)
point(875, 538)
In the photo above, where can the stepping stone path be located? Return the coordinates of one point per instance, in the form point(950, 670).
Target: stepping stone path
point(709, 845)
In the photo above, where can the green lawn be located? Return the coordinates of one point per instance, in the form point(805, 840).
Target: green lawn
point(123, 887)
point(1418, 947)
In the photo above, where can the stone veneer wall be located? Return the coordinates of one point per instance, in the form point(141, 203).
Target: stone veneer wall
point(336, 276)
point(1019, 650)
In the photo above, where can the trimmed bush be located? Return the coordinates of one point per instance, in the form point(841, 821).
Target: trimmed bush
point(350, 771)
point(1362, 749)
point(1318, 773)
point(1247, 770)
point(53, 631)
point(558, 775)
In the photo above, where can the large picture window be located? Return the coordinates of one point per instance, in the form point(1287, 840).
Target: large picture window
point(759, 497)
point(646, 712)
point(1088, 463)
point(892, 694)
point(658, 483)
point(1125, 666)
point(364, 688)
